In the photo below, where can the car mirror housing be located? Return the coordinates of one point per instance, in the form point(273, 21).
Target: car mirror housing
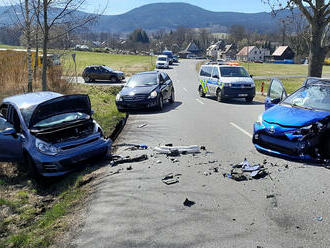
point(276, 100)
point(9, 131)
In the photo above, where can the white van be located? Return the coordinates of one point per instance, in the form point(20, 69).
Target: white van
point(226, 81)
point(162, 62)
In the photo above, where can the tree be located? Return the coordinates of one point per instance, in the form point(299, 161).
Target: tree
point(63, 13)
point(317, 14)
point(139, 35)
point(237, 33)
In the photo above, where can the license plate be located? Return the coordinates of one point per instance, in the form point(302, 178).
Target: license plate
point(242, 94)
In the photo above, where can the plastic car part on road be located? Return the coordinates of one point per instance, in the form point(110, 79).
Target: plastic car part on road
point(181, 149)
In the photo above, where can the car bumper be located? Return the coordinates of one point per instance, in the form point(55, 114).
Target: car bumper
point(131, 105)
point(230, 92)
point(280, 146)
point(63, 163)
point(162, 66)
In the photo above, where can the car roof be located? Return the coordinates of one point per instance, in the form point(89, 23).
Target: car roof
point(31, 99)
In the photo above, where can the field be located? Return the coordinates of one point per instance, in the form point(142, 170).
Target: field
point(129, 64)
point(270, 69)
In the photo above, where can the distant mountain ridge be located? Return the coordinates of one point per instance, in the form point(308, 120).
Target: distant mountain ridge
point(169, 16)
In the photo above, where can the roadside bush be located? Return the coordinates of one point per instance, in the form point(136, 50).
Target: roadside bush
point(13, 75)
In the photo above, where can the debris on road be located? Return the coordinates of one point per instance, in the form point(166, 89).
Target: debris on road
point(158, 162)
point(270, 196)
point(171, 179)
point(319, 218)
point(188, 203)
point(177, 150)
point(132, 146)
point(129, 168)
point(244, 171)
point(142, 125)
point(203, 148)
point(119, 160)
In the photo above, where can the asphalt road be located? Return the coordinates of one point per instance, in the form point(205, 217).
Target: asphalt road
point(133, 208)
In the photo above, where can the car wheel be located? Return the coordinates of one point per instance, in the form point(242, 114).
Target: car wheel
point(201, 92)
point(31, 167)
point(87, 79)
point(219, 96)
point(172, 98)
point(160, 103)
point(113, 80)
point(249, 99)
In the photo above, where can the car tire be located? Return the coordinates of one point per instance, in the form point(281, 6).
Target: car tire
point(249, 99)
point(160, 103)
point(114, 80)
point(219, 96)
point(172, 98)
point(201, 92)
point(87, 80)
point(31, 167)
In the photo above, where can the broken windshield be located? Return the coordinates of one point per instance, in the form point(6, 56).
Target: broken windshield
point(60, 119)
point(312, 97)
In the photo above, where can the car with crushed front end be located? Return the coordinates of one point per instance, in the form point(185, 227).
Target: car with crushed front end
point(296, 127)
point(146, 90)
point(49, 133)
point(102, 72)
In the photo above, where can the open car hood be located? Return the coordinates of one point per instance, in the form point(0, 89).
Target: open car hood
point(60, 105)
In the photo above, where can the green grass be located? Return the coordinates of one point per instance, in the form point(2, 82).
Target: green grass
point(270, 69)
point(10, 47)
point(129, 64)
point(290, 84)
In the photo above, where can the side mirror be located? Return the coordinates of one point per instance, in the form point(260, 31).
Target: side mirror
point(9, 131)
point(276, 100)
point(251, 76)
point(92, 111)
point(216, 76)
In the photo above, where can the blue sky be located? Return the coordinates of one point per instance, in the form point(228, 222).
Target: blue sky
point(121, 6)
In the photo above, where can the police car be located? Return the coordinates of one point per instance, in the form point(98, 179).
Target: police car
point(226, 81)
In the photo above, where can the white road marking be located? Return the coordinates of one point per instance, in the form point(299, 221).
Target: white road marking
point(185, 89)
point(241, 129)
point(199, 101)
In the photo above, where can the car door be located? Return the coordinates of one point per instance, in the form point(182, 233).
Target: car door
point(163, 86)
point(276, 93)
point(10, 135)
point(168, 83)
point(214, 80)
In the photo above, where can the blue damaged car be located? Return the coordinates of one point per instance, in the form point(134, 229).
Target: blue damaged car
point(49, 133)
point(296, 127)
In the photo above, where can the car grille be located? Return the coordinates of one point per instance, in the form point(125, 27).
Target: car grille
point(278, 144)
point(241, 85)
point(135, 98)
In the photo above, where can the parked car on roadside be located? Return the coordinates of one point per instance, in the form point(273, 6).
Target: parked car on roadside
point(102, 72)
point(175, 59)
point(162, 62)
point(297, 126)
point(49, 133)
point(225, 81)
point(146, 90)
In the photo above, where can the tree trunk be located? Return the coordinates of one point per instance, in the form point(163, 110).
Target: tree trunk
point(36, 57)
point(317, 52)
point(45, 45)
point(28, 48)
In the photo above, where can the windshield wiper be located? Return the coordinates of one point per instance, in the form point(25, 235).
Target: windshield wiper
point(294, 105)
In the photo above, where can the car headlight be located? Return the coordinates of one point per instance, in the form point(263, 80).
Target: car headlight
point(46, 148)
point(227, 84)
point(119, 98)
point(303, 130)
point(260, 120)
point(153, 94)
